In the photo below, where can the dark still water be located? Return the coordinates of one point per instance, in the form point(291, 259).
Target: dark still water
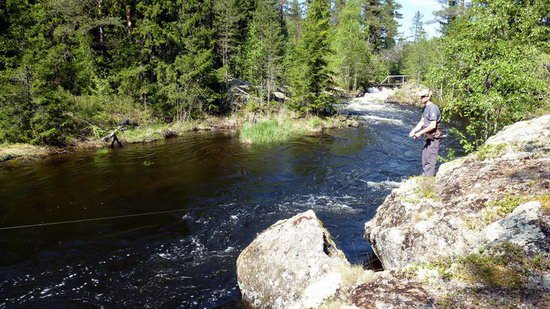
point(229, 193)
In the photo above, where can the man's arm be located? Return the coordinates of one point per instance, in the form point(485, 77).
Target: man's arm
point(429, 128)
point(418, 127)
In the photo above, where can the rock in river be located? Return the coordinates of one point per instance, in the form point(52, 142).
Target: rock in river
point(292, 264)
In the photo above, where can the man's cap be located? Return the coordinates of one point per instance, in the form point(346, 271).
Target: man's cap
point(425, 93)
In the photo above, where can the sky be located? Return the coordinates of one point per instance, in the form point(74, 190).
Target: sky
point(426, 8)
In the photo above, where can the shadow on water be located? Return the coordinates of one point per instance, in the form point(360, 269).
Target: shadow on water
point(225, 193)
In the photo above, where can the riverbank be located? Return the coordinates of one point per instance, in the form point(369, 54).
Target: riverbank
point(257, 129)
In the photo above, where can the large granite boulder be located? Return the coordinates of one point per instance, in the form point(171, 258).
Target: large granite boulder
point(292, 264)
point(478, 234)
point(427, 219)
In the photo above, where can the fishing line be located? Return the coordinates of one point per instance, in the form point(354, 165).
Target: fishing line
point(140, 214)
point(103, 218)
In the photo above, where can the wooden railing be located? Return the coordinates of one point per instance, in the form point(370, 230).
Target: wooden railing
point(393, 81)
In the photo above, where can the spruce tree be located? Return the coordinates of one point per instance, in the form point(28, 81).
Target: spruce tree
point(294, 29)
point(381, 22)
point(151, 47)
point(187, 81)
point(417, 27)
point(228, 16)
point(451, 9)
point(56, 63)
point(312, 77)
point(16, 106)
point(264, 49)
point(390, 23)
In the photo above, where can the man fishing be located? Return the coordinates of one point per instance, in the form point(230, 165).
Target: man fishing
point(428, 127)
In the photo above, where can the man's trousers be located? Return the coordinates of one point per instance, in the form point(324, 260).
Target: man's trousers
point(429, 156)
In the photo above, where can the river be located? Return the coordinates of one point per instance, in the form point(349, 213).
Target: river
point(194, 203)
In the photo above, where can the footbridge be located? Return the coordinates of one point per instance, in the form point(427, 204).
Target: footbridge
point(392, 81)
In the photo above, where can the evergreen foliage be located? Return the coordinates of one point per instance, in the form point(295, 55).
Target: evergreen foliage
point(71, 69)
point(381, 22)
point(312, 75)
point(418, 27)
point(422, 57)
point(228, 16)
point(263, 49)
point(451, 9)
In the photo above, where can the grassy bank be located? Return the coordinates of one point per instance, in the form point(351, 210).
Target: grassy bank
point(160, 131)
point(254, 130)
point(280, 128)
point(22, 151)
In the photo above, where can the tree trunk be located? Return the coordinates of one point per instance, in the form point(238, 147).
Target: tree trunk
point(100, 14)
point(128, 20)
point(486, 131)
point(225, 53)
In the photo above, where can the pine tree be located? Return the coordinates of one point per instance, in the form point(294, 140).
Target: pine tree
point(150, 47)
point(450, 11)
point(57, 62)
point(390, 23)
point(294, 21)
point(337, 10)
point(16, 106)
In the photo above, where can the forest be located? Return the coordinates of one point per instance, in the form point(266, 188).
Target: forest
point(71, 70)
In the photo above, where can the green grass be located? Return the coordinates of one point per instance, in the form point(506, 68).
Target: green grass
point(266, 132)
point(102, 151)
point(24, 151)
point(441, 265)
point(145, 134)
point(272, 130)
point(352, 276)
point(426, 188)
point(490, 151)
point(545, 202)
point(505, 267)
point(278, 130)
point(158, 131)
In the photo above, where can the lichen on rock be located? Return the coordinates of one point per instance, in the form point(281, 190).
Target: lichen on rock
point(292, 264)
point(486, 216)
point(402, 233)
